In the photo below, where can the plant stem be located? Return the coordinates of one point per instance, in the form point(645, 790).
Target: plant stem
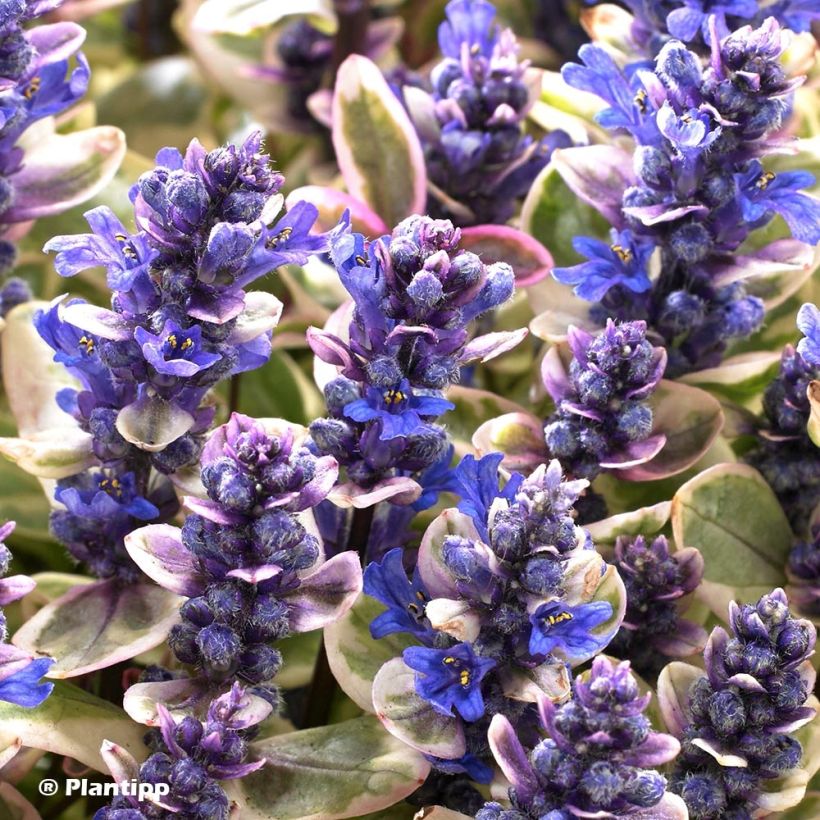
point(323, 685)
point(233, 394)
point(351, 35)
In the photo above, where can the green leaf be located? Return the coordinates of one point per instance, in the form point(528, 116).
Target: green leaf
point(377, 148)
point(13, 806)
point(298, 659)
point(355, 656)
point(279, 388)
point(644, 521)
point(97, 625)
point(344, 770)
point(553, 214)
point(73, 723)
point(732, 516)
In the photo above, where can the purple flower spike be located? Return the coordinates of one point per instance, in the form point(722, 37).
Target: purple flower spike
point(738, 720)
point(597, 759)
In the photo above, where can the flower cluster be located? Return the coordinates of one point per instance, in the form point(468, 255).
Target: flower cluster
point(415, 298)
point(496, 593)
point(747, 705)
point(786, 456)
point(653, 630)
point(602, 418)
point(658, 20)
point(19, 672)
point(180, 322)
point(477, 154)
point(251, 570)
point(35, 83)
point(698, 191)
point(597, 760)
point(191, 757)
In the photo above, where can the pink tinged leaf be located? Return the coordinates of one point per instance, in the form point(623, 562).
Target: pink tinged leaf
point(332, 203)
point(12, 803)
point(656, 750)
point(159, 552)
point(151, 423)
point(723, 756)
point(554, 374)
point(490, 345)
point(549, 680)
point(634, 454)
point(690, 567)
point(398, 489)
point(55, 453)
point(377, 148)
point(210, 510)
point(320, 105)
point(261, 314)
point(529, 259)
point(690, 418)
point(56, 42)
point(97, 320)
point(254, 575)
point(412, 719)
point(325, 594)
point(511, 757)
point(64, 170)
point(520, 436)
point(120, 762)
point(422, 108)
point(599, 175)
point(674, 684)
point(178, 695)
point(658, 214)
point(437, 578)
point(687, 639)
point(456, 618)
point(14, 588)
point(94, 626)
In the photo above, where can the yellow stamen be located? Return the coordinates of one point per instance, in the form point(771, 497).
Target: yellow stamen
point(360, 260)
point(282, 236)
point(640, 100)
point(32, 88)
point(393, 397)
point(624, 254)
point(171, 341)
point(557, 619)
point(186, 345)
point(764, 180)
point(88, 343)
point(449, 659)
point(464, 677)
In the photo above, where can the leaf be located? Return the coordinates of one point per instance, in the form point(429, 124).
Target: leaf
point(690, 419)
point(740, 379)
point(56, 453)
point(241, 17)
point(645, 521)
point(73, 723)
point(412, 719)
point(732, 516)
point(151, 423)
point(95, 626)
point(31, 377)
point(344, 770)
point(13, 806)
point(377, 148)
point(674, 683)
point(63, 170)
point(520, 436)
point(813, 427)
point(331, 204)
point(528, 258)
point(298, 658)
point(355, 656)
point(553, 214)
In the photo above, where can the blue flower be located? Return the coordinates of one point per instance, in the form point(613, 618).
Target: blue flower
point(405, 601)
point(438, 478)
point(762, 192)
point(104, 497)
point(684, 23)
point(691, 132)
point(478, 485)
point(450, 678)
point(24, 687)
point(808, 322)
point(558, 626)
point(175, 352)
point(470, 23)
point(468, 764)
point(398, 409)
point(624, 262)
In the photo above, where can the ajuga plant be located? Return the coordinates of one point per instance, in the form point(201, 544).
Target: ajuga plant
point(694, 188)
point(507, 593)
point(787, 454)
point(736, 721)
point(208, 225)
point(366, 513)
